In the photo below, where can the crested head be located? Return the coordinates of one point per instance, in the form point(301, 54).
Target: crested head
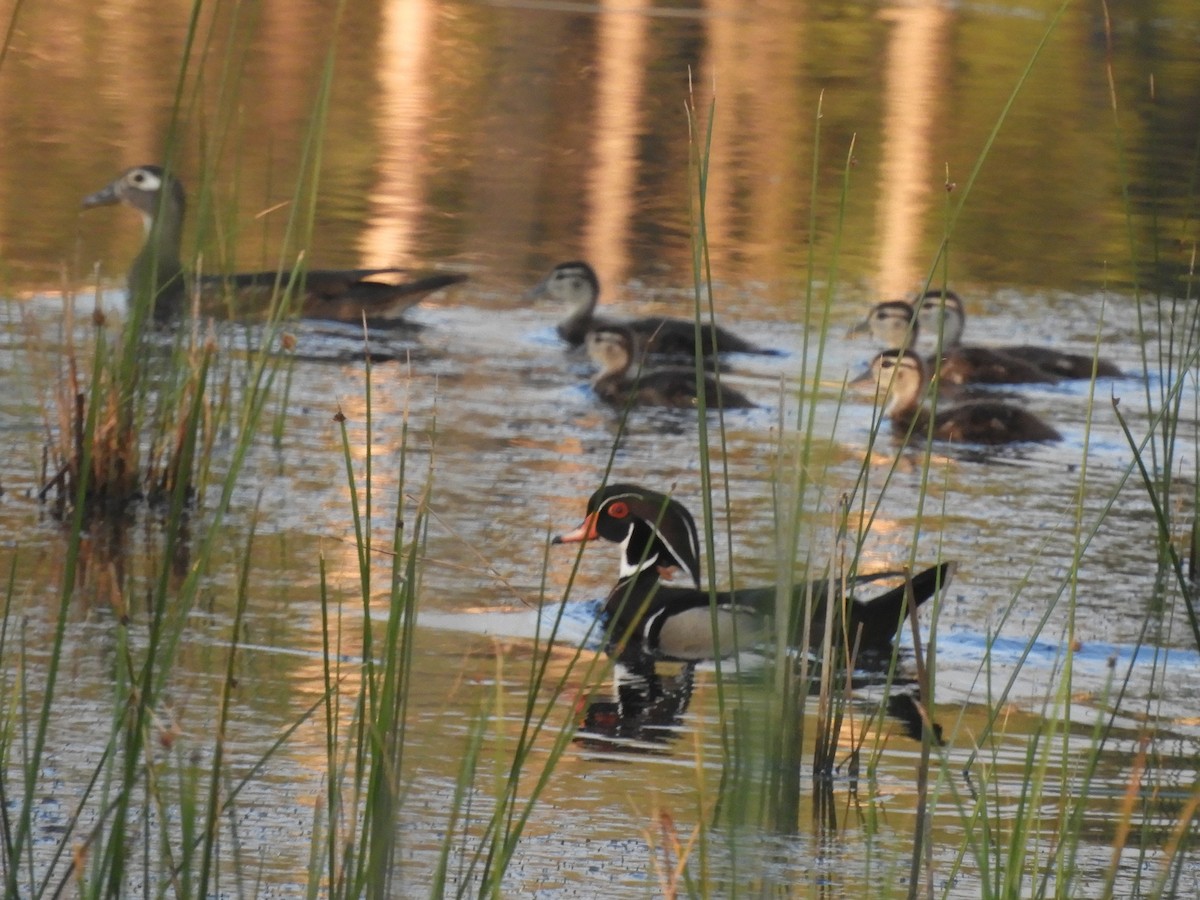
point(654, 531)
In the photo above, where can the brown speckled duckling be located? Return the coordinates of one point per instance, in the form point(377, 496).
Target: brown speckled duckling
point(900, 374)
point(612, 348)
point(575, 285)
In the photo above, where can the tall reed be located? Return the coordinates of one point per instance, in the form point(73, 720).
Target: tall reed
point(132, 417)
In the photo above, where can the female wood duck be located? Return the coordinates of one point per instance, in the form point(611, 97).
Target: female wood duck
point(1010, 364)
point(343, 295)
point(901, 376)
point(612, 348)
point(645, 617)
point(575, 284)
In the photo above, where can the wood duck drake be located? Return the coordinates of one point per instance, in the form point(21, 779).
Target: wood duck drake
point(943, 308)
point(575, 284)
point(618, 382)
point(343, 295)
point(646, 617)
point(900, 375)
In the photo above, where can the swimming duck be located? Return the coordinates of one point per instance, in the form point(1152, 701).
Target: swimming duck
point(646, 617)
point(575, 284)
point(343, 295)
point(1054, 364)
point(896, 325)
point(902, 376)
point(611, 347)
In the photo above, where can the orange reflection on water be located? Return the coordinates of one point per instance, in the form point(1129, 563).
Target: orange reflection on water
point(912, 101)
point(612, 181)
point(404, 43)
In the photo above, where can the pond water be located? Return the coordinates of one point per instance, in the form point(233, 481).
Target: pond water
point(498, 139)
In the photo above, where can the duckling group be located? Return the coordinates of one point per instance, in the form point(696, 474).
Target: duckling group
point(903, 378)
point(652, 362)
point(642, 361)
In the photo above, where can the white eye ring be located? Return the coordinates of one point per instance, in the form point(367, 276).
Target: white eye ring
point(145, 180)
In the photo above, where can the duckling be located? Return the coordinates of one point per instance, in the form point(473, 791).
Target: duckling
point(891, 324)
point(575, 284)
point(1017, 363)
point(901, 375)
point(344, 295)
point(895, 325)
point(612, 348)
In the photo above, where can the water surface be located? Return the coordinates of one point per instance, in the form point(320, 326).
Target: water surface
point(499, 139)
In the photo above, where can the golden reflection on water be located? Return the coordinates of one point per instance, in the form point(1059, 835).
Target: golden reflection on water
point(511, 138)
point(406, 44)
point(914, 76)
point(612, 182)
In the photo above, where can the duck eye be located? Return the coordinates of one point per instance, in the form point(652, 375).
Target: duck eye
point(148, 181)
point(619, 510)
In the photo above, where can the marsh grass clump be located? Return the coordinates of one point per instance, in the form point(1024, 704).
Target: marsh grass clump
point(126, 417)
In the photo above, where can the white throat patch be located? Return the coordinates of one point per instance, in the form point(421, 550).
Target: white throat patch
point(630, 569)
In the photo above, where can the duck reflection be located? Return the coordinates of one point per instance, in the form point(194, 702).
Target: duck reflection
point(643, 714)
point(906, 709)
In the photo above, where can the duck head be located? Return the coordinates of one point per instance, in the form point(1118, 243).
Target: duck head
point(896, 374)
point(653, 530)
point(149, 189)
point(611, 348)
point(575, 285)
point(940, 313)
point(890, 324)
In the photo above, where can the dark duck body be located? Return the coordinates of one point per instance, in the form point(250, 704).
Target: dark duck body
point(575, 284)
point(1008, 364)
point(900, 376)
point(344, 295)
point(898, 324)
point(620, 382)
point(648, 618)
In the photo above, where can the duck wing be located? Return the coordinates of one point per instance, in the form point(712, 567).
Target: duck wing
point(984, 422)
point(341, 295)
point(1063, 364)
point(677, 337)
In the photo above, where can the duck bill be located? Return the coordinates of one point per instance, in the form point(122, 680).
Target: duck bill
point(585, 532)
point(863, 382)
point(106, 196)
point(539, 290)
point(861, 328)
